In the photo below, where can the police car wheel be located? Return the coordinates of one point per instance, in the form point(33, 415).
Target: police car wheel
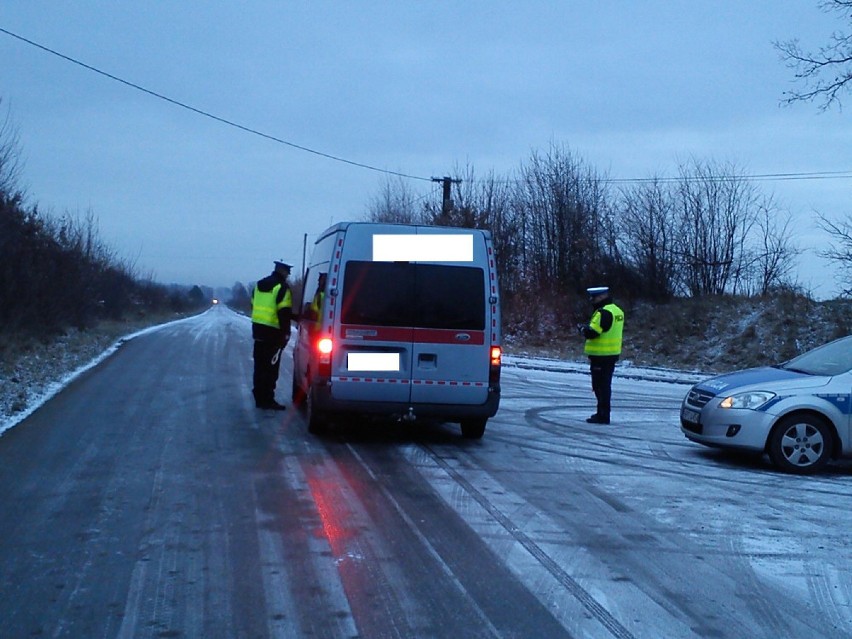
point(800, 444)
point(473, 428)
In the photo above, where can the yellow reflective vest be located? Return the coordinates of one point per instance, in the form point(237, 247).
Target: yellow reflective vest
point(316, 307)
point(265, 307)
point(609, 342)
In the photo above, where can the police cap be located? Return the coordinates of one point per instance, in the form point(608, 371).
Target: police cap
point(283, 265)
point(595, 291)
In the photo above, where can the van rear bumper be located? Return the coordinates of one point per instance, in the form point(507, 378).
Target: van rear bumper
point(324, 402)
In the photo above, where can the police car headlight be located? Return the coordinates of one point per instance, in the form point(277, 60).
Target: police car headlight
point(752, 400)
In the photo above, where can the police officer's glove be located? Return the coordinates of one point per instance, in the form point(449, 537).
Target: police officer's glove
point(285, 338)
point(581, 329)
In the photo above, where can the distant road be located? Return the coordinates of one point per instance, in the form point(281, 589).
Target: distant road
point(151, 499)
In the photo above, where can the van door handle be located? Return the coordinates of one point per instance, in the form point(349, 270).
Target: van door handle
point(427, 360)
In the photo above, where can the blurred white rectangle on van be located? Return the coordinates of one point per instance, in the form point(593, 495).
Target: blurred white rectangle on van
point(423, 248)
point(372, 362)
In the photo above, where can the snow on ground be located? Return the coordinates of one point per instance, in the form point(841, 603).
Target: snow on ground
point(624, 369)
point(34, 383)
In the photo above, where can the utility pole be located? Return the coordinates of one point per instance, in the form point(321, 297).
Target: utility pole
point(447, 202)
point(304, 252)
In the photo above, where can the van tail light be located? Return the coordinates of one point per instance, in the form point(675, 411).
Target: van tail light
point(324, 349)
point(496, 361)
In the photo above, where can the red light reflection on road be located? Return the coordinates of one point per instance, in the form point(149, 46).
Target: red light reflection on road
point(333, 514)
point(373, 607)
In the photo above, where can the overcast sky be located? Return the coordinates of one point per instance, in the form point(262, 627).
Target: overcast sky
point(420, 88)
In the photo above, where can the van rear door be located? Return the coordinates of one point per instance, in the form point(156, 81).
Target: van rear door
point(450, 351)
point(373, 360)
point(416, 325)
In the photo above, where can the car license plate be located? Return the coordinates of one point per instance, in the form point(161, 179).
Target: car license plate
point(691, 416)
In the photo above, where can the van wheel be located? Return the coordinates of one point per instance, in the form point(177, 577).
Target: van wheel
point(317, 423)
point(800, 444)
point(473, 428)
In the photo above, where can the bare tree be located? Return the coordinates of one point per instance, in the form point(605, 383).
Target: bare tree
point(494, 200)
point(716, 211)
point(774, 253)
point(649, 237)
point(396, 203)
point(486, 203)
point(10, 156)
point(562, 208)
point(840, 251)
point(826, 72)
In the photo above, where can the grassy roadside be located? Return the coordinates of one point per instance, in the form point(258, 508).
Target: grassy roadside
point(707, 334)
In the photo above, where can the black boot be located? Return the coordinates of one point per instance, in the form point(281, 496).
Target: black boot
point(270, 405)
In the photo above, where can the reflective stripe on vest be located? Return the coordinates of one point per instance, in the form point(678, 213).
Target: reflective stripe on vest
point(264, 309)
point(609, 342)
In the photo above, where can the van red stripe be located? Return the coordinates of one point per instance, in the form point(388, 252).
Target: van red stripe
point(416, 335)
point(443, 336)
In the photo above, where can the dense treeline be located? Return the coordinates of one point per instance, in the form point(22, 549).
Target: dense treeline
point(560, 226)
point(56, 273)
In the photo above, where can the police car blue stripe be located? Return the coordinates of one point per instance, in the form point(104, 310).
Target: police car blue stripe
point(771, 403)
point(841, 401)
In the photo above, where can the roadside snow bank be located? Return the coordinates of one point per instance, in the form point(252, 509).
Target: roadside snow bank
point(37, 380)
point(624, 369)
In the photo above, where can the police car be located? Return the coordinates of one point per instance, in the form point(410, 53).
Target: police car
point(799, 412)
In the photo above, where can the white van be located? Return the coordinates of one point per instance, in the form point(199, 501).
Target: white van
point(401, 321)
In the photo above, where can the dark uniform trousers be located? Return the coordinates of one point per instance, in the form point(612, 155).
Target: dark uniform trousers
point(602, 369)
point(265, 371)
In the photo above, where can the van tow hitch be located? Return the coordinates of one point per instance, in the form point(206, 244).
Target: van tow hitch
point(409, 416)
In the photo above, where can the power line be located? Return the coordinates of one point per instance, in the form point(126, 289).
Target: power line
point(207, 114)
point(813, 175)
point(758, 177)
point(761, 177)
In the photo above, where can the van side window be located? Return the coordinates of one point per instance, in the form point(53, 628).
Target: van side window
point(418, 295)
point(314, 281)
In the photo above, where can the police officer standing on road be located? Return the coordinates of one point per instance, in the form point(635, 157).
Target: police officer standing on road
point(603, 336)
point(271, 311)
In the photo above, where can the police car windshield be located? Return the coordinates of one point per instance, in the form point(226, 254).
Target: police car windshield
point(417, 295)
point(834, 358)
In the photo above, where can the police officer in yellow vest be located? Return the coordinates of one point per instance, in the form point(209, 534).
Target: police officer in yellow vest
point(317, 303)
point(603, 336)
point(271, 311)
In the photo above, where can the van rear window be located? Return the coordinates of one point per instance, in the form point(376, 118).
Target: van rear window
point(419, 295)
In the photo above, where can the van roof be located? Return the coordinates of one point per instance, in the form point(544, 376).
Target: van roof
point(343, 226)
